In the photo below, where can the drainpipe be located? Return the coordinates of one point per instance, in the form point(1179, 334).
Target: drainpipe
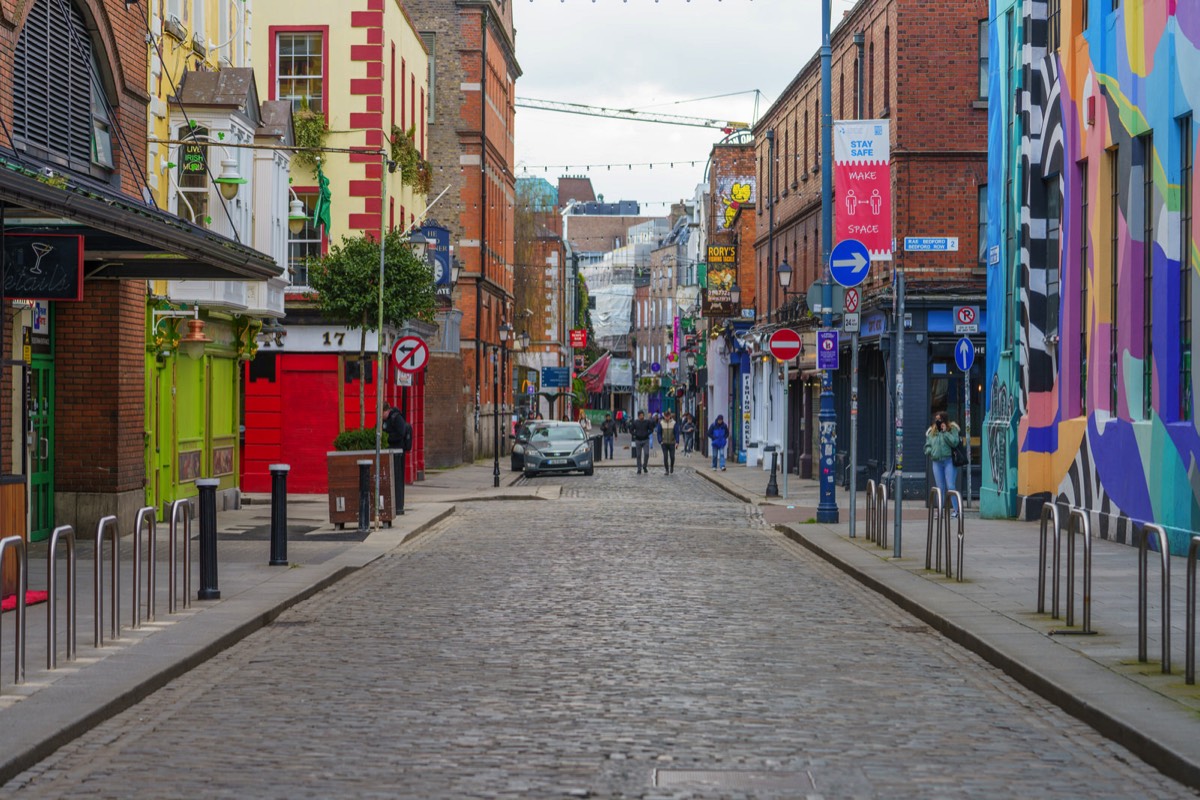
point(859, 40)
point(482, 218)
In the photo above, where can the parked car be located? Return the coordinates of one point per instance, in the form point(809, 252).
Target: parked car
point(556, 447)
point(521, 437)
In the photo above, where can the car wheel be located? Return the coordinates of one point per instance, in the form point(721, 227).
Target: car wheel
point(529, 473)
point(589, 471)
point(516, 465)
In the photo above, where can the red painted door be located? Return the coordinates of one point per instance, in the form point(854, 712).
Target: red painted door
point(309, 387)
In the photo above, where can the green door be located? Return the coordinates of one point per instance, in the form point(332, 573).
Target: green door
point(41, 456)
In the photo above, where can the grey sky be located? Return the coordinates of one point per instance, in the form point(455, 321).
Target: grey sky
point(640, 53)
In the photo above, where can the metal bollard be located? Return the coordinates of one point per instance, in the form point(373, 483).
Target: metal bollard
point(951, 496)
point(67, 534)
point(398, 468)
point(184, 506)
point(881, 516)
point(1084, 527)
point(18, 544)
point(1049, 515)
point(936, 512)
point(107, 525)
point(772, 482)
point(143, 514)
point(208, 539)
point(364, 495)
point(279, 476)
point(1164, 552)
point(1189, 645)
point(870, 515)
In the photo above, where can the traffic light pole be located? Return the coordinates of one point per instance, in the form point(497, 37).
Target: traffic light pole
point(827, 510)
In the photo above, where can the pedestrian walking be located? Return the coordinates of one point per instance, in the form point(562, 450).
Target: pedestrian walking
point(687, 432)
point(940, 440)
point(718, 434)
point(642, 430)
point(399, 433)
point(666, 431)
point(585, 423)
point(608, 430)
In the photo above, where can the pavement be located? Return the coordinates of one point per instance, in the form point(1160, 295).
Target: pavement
point(992, 611)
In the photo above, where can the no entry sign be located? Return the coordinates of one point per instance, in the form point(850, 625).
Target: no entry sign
point(785, 344)
point(410, 354)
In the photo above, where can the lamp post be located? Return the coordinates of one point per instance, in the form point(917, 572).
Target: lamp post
point(505, 330)
point(784, 273)
point(827, 510)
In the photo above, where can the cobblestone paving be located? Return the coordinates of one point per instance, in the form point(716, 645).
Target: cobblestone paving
point(641, 637)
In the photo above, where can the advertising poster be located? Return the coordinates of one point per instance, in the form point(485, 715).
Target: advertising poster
point(721, 276)
point(862, 182)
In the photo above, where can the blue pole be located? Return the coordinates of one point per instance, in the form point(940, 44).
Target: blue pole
point(827, 510)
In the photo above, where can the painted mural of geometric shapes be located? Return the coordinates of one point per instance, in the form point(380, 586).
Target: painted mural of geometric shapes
point(1121, 462)
point(1083, 488)
point(1131, 380)
point(1000, 432)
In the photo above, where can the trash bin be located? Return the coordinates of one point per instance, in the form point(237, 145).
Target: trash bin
point(597, 449)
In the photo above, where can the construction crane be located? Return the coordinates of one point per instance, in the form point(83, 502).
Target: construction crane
point(725, 126)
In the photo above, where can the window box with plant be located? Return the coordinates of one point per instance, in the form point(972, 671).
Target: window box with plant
point(350, 447)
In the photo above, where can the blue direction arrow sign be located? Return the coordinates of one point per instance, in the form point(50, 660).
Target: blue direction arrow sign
point(964, 354)
point(849, 262)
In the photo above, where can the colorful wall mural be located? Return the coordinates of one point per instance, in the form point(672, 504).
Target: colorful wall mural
point(1092, 263)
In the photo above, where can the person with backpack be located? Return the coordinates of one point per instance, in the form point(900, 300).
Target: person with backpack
point(608, 430)
point(400, 437)
point(642, 430)
point(666, 439)
point(718, 434)
point(940, 442)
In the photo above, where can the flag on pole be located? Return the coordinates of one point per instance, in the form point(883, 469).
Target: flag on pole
point(321, 208)
point(593, 377)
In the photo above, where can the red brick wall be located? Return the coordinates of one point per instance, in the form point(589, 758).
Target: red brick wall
point(100, 400)
point(923, 76)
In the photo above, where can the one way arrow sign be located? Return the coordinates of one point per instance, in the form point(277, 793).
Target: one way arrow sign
point(848, 262)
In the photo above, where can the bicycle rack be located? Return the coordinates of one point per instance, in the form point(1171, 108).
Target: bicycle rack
point(1049, 514)
point(1084, 527)
point(881, 516)
point(143, 514)
point(870, 510)
point(186, 507)
point(107, 525)
point(1190, 634)
point(1143, 579)
point(962, 532)
point(22, 586)
point(936, 512)
point(51, 600)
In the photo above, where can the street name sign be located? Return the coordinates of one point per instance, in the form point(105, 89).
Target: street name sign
point(785, 344)
point(931, 244)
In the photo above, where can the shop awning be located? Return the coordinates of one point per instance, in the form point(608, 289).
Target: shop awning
point(123, 238)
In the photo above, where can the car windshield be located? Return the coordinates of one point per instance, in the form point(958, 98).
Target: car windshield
point(557, 433)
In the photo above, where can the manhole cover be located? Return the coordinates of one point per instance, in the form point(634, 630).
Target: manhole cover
point(734, 779)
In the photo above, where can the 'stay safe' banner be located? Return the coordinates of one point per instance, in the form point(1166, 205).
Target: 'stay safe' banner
point(862, 181)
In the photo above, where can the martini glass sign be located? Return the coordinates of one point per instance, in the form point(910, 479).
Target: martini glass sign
point(43, 267)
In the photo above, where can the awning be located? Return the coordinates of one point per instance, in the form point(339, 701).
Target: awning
point(123, 238)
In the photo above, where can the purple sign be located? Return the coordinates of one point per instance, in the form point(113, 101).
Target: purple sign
point(827, 350)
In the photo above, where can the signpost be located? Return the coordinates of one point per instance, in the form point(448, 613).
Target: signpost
point(785, 344)
point(557, 377)
point(931, 244)
point(966, 319)
point(964, 357)
point(579, 338)
point(816, 292)
point(827, 350)
point(848, 262)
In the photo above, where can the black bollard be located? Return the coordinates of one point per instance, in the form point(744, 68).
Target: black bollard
point(364, 495)
point(208, 539)
point(279, 474)
point(773, 484)
point(398, 477)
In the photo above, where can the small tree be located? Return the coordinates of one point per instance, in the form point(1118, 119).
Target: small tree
point(345, 285)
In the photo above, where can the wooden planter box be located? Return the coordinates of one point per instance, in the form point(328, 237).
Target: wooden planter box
point(343, 485)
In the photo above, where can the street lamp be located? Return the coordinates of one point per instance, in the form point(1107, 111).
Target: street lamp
point(735, 294)
point(418, 244)
point(524, 337)
point(229, 181)
point(505, 330)
point(784, 271)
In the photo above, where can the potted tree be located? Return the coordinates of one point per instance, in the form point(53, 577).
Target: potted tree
point(345, 285)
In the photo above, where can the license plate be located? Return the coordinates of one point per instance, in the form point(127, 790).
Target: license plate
point(557, 462)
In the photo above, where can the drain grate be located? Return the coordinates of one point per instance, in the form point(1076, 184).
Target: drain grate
point(734, 779)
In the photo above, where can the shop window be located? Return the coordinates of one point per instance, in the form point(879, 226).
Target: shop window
point(262, 367)
point(191, 197)
point(983, 59)
point(355, 369)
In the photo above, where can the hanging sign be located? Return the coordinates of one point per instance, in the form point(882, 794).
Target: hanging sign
point(41, 266)
point(579, 338)
point(862, 182)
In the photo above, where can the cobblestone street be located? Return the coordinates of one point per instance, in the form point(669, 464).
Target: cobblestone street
point(643, 636)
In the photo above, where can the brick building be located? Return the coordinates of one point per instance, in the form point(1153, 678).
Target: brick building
point(73, 103)
point(917, 64)
point(471, 128)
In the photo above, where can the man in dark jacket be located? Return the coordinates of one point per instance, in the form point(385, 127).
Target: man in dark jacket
point(400, 435)
point(642, 430)
point(718, 434)
point(608, 429)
